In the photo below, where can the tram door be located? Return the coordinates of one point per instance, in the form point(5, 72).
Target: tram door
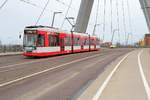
point(62, 45)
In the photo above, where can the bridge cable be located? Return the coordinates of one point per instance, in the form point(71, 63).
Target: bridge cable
point(35, 5)
point(96, 18)
point(104, 20)
point(118, 25)
point(130, 25)
point(111, 16)
point(63, 3)
point(42, 12)
point(30, 3)
point(3, 4)
point(124, 23)
point(111, 27)
point(66, 14)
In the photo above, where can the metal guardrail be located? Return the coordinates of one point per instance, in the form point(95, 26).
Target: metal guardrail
point(10, 48)
point(6, 50)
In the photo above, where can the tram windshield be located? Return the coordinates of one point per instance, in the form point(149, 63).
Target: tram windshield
point(30, 39)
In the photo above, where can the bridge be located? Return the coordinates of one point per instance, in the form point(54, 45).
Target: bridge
point(110, 73)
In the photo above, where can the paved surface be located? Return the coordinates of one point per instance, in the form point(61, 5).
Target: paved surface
point(10, 53)
point(54, 78)
point(129, 81)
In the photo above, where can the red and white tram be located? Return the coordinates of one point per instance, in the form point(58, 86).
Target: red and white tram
point(40, 41)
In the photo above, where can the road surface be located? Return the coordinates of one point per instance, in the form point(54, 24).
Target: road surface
point(127, 79)
point(52, 78)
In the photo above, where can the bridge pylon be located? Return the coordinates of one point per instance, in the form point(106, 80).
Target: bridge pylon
point(84, 15)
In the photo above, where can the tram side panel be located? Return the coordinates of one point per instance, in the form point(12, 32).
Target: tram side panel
point(53, 43)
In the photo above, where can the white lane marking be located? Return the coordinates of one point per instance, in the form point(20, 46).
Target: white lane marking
point(100, 90)
point(34, 74)
point(48, 87)
point(30, 62)
point(43, 90)
point(147, 88)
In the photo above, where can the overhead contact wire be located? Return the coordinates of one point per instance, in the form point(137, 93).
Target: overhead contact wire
point(3, 4)
point(66, 14)
point(42, 12)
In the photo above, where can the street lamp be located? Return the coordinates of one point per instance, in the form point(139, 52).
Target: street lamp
point(54, 18)
point(113, 34)
point(95, 28)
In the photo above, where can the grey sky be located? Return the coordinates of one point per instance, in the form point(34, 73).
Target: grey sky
point(15, 15)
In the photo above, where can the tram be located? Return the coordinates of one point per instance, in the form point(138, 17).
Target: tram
point(41, 41)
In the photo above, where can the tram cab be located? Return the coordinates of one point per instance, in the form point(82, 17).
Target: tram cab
point(32, 40)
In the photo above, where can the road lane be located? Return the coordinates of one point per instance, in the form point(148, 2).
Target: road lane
point(126, 83)
point(16, 72)
point(67, 91)
point(50, 69)
point(147, 88)
point(12, 61)
point(87, 70)
point(144, 65)
point(145, 60)
point(101, 89)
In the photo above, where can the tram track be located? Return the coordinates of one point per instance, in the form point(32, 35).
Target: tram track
point(16, 61)
point(54, 61)
point(43, 65)
point(22, 83)
point(20, 65)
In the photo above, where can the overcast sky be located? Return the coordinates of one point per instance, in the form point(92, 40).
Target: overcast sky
point(15, 15)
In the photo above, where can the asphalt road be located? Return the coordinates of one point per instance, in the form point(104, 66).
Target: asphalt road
point(127, 79)
point(52, 78)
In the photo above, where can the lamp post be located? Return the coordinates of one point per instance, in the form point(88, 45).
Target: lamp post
point(113, 35)
point(95, 28)
point(54, 18)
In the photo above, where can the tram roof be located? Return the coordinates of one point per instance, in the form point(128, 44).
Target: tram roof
point(52, 29)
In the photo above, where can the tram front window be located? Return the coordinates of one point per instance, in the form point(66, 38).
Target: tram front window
point(30, 40)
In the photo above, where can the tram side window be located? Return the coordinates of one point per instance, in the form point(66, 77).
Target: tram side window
point(76, 41)
point(97, 41)
point(40, 40)
point(86, 42)
point(68, 41)
point(82, 42)
point(92, 42)
point(53, 40)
